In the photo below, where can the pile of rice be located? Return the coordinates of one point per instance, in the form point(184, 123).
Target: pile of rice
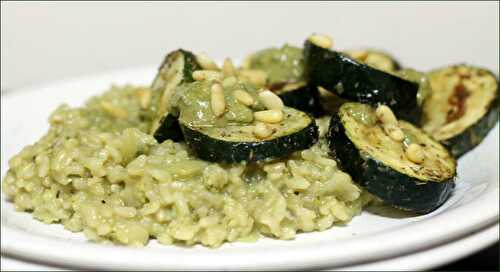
point(98, 171)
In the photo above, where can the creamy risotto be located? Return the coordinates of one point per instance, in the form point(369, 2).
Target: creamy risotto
point(98, 171)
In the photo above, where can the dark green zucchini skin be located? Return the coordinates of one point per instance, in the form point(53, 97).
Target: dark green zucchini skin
point(360, 82)
point(215, 150)
point(169, 130)
point(394, 188)
point(305, 98)
point(474, 135)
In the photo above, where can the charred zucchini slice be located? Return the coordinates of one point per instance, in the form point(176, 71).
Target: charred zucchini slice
point(176, 69)
point(380, 164)
point(377, 59)
point(284, 67)
point(358, 82)
point(462, 108)
point(232, 144)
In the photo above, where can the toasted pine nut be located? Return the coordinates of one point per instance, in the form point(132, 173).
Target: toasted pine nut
point(244, 97)
point(228, 68)
point(217, 101)
point(144, 96)
point(394, 132)
point(206, 62)
point(256, 77)
point(200, 75)
point(385, 115)
point(415, 153)
point(270, 100)
point(269, 116)
point(229, 82)
point(261, 131)
point(113, 110)
point(358, 54)
point(320, 40)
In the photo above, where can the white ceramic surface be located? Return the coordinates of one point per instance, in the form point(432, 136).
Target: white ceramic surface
point(368, 238)
point(423, 260)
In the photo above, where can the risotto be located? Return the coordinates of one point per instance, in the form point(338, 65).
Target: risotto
point(98, 171)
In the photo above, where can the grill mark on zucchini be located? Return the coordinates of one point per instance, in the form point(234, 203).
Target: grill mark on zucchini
point(457, 100)
point(361, 150)
point(462, 108)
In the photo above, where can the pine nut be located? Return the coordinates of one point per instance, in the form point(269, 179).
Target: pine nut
point(385, 115)
point(269, 116)
point(320, 40)
point(358, 54)
point(206, 62)
point(270, 100)
point(415, 153)
point(200, 75)
point(229, 82)
point(228, 68)
point(113, 110)
point(243, 97)
point(394, 132)
point(256, 77)
point(217, 101)
point(261, 131)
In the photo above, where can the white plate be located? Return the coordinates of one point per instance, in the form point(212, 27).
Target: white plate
point(368, 238)
point(433, 257)
point(423, 260)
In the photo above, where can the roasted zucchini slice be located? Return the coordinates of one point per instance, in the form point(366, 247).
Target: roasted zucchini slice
point(358, 82)
point(383, 166)
point(377, 59)
point(284, 68)
point(176, 69)
point(462, 107)
point(231, 144)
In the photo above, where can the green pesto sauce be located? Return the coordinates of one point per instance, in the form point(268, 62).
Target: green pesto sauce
point(362, 113)
point(192, 100)
point(285, 64)
point(418, 77)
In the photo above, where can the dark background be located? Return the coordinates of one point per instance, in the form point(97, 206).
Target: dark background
point(485, 260)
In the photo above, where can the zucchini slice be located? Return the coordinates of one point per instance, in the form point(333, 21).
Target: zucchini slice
point(377, 59)
point(358, 82)
point(379, 163)
point(462, 108)
point(176, 69)
point(231, 144)
point(285, 70)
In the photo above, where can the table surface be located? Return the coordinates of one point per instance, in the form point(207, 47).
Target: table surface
point(485, 260)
